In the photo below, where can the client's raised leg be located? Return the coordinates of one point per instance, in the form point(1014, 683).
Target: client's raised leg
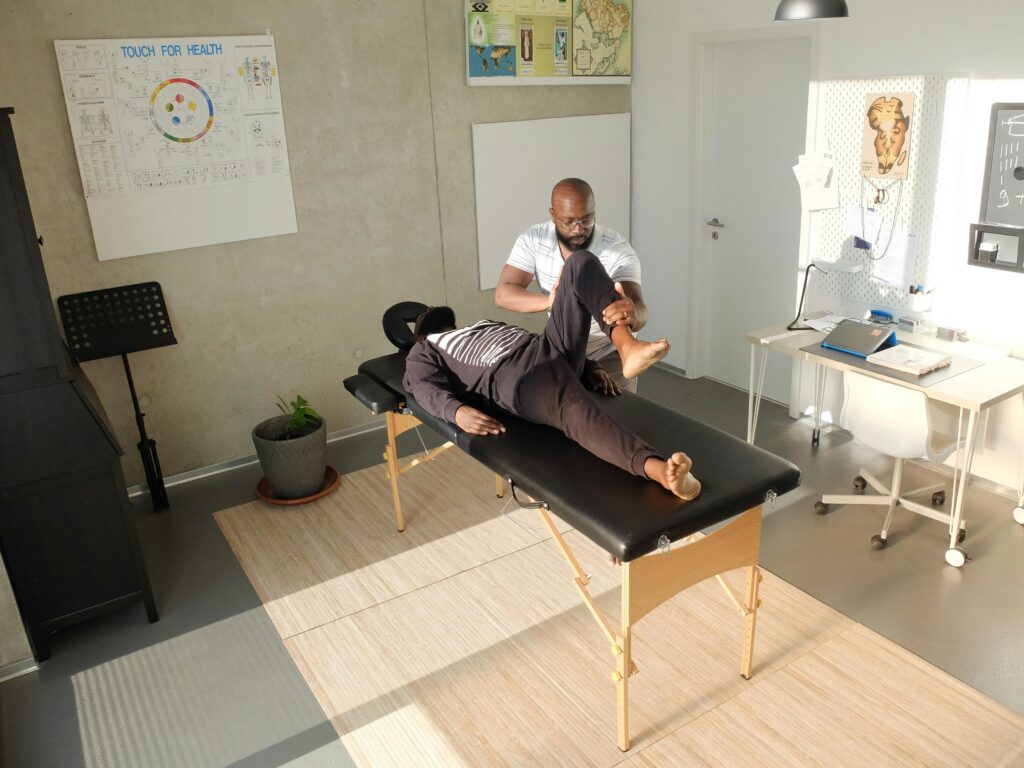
point(584, 290)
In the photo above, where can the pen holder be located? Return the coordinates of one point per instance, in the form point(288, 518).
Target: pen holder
point(920, 302)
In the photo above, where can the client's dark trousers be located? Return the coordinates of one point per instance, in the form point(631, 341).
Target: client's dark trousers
point(548, 369)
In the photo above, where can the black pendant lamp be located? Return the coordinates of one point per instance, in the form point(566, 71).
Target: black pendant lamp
point(804, 10)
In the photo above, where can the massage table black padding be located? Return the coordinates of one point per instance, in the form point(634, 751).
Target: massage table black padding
point(622, 513)
point(628, 516)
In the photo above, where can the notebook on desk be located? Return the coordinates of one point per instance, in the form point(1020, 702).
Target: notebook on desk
point(910, 359)
point(860, 338)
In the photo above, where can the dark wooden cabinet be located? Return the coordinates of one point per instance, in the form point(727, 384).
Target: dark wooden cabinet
point(67, 534)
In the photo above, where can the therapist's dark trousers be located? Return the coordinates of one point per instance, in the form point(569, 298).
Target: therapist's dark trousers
point(549, 368)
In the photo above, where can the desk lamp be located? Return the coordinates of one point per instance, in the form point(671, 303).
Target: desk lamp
point(803, 295)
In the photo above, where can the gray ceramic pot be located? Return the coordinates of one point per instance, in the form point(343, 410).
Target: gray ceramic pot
point(294, 467)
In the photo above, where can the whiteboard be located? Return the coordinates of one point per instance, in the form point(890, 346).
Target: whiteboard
point(515, 165)
point(1004, 183)
point(180, 141)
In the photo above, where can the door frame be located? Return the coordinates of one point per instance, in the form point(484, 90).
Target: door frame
point(700, 152)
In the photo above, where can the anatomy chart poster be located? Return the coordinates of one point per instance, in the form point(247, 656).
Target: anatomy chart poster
point(885, 150)
point(180, 141)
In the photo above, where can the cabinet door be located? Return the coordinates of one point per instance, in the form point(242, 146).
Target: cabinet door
point(30, 350)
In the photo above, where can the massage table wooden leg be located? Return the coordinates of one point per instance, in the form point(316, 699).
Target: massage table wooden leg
point(393, 473)
point(623, 662)
point(750, 620)
point(398, 423)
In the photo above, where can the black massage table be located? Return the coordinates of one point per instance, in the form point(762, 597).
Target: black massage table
point(634, 519)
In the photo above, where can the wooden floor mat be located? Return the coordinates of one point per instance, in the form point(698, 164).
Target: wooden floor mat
point(463, 642)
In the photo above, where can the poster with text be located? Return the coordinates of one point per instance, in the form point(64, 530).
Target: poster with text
point(180, 141)
point(519, 42)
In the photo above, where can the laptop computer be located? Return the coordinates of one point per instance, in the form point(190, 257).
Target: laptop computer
point(860, 338)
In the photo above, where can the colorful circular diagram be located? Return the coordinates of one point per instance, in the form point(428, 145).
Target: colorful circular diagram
point(181, 110)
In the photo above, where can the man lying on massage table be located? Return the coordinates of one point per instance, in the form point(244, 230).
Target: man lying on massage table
point(458, 374)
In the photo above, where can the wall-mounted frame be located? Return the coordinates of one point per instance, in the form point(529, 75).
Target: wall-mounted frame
point(998, 242)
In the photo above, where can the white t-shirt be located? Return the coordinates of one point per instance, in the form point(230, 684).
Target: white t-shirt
point(536, 251)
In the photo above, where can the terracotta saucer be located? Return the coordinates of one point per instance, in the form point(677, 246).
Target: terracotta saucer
point(331, 481)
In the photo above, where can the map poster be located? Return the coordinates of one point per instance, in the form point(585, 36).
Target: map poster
point(180, 141)
point(885, 145)
point(602, 34)
point(548, 42)
point(491, 39)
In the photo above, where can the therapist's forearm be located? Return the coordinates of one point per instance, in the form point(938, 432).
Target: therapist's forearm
point(518, 299)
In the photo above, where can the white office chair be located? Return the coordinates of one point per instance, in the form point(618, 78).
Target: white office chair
point(896, 421)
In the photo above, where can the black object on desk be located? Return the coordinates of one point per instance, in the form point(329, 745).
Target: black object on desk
point(116, 321)
point(67, 532)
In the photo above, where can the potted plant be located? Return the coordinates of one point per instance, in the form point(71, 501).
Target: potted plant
point(292, 449)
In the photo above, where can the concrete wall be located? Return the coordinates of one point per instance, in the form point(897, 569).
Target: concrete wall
point(379, 121)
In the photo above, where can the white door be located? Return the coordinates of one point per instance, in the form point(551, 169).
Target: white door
point(755, 125)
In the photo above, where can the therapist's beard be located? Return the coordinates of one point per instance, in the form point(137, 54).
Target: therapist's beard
point(567, 241)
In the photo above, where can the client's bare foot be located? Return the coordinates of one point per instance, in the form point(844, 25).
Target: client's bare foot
point(638, 356)
point(674, 475)
point(678, 477)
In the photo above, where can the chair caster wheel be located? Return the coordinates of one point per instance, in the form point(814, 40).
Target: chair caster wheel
point(1018, 515)
point(961, 536)
point(877, 542)
point(956, 557)
point(938, 498)
point(859, 484)
point(820, 508)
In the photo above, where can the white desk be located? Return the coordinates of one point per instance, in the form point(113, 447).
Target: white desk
point(972, 392)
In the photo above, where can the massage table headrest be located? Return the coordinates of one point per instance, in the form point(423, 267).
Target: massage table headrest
point(397, 320)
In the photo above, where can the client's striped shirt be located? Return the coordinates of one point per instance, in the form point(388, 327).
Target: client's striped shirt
point(481, 344)
point(447, 369)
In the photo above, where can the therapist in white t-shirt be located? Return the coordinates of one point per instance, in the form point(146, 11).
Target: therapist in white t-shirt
point(542, 249)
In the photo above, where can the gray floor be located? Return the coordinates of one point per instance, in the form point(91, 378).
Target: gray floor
point(211, 685)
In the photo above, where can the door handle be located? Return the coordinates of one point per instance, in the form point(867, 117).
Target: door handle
point(716, 223)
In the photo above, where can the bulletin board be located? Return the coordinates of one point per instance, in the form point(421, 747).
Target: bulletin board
point(180, 141)
point(515, 166)
point(928, 203)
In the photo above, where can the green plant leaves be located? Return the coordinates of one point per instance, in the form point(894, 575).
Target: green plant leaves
point(301, 413)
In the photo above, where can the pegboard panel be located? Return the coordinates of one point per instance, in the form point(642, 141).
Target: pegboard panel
point(926, 206)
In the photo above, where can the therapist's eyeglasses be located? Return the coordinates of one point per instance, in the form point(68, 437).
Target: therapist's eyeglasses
point(585, 223)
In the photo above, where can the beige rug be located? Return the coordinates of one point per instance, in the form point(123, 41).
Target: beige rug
point(463, 642)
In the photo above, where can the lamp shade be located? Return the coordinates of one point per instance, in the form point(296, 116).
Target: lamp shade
point(802, 10)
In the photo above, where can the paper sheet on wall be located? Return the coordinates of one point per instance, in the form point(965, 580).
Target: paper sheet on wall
point(896, 267)
point(815, 173)
point(865, 224)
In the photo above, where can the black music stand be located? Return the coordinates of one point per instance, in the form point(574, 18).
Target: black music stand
point(116, 321)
